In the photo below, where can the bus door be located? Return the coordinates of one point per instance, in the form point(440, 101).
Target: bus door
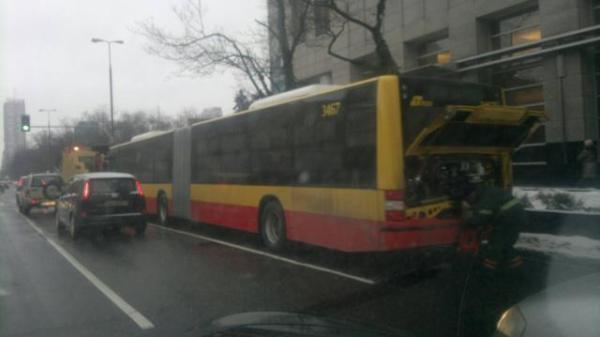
point(181, 172)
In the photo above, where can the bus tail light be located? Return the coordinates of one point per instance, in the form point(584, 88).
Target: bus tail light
point(138, 186)
point(86, 190)
point(394, 206)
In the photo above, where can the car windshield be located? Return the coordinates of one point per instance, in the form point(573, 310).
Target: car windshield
point(300, 168)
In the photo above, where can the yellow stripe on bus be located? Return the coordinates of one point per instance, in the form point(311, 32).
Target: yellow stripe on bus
point(151, 190)
point(352, 203)
point(390, 159)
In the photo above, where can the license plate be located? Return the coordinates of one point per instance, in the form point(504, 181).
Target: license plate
point(116, 203)
point(49, 203)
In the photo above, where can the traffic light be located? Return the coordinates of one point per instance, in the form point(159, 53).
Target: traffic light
point(25, 123)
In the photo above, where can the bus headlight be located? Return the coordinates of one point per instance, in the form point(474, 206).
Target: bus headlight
point(511, 323)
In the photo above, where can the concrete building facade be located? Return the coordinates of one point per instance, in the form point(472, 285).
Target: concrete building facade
point(545, 54)
point(14, 139)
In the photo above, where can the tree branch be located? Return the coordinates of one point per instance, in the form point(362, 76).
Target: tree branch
point(331, 4)
point(334, 37)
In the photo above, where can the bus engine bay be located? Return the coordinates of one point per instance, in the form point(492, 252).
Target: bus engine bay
point(445, 177)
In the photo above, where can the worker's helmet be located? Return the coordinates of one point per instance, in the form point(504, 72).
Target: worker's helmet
point(588, 142)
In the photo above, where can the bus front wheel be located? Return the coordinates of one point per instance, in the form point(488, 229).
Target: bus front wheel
point(272, 226)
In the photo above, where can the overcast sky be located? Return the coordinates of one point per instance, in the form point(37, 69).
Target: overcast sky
point(47, 59)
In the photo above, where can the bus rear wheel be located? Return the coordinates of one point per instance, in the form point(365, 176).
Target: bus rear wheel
point(272, 226)
point(163, 212)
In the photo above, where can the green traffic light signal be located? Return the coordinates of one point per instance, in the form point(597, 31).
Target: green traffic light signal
point(25, 123)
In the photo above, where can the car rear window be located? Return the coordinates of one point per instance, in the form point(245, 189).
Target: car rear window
point(114, 185)
point(38, 181)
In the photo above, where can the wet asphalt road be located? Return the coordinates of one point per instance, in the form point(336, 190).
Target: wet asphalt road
point(169, 283)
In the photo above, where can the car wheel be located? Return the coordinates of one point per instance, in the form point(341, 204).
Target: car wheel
point(73, 228)
point(140, 228)
point(272, 226)
point(60, 228)
point(163, 210)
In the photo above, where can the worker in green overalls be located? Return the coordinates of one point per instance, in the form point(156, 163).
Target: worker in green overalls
point(496, 284)
point(497, 211)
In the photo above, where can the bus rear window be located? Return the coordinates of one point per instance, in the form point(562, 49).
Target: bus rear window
point(478, 135)
point(433, 97)
point(441, 93)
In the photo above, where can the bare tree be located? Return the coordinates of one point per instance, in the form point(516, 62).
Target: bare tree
point(384, 62)
point(288, 28)
point(186, 117)
point(202, 51)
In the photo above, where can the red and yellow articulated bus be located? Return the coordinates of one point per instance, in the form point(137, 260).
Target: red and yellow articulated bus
point(371, 166)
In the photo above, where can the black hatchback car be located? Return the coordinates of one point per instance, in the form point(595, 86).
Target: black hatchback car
point(101, 200)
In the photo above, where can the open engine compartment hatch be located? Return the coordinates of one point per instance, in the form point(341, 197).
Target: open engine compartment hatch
point(481, 126)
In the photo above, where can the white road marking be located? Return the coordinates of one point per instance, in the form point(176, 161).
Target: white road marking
point(135, 315)
point(272, 256)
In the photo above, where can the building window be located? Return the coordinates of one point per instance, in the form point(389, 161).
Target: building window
point(516, 29)
point(321, 17)
point(596, 11)
point(596, 65)
point(434, 52)
point(523, 87)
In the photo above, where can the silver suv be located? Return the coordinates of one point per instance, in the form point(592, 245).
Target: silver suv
point(39, 191)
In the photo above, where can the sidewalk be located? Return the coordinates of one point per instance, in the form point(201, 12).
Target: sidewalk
point(560, 199)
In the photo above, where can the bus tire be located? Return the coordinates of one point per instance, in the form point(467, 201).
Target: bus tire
point(272, 226)
point(162, 209)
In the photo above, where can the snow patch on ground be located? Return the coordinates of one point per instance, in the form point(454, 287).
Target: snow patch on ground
point(587, 199)
point(572, 246)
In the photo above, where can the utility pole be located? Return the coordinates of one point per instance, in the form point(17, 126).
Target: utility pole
point(49, 134)
point(110, 81)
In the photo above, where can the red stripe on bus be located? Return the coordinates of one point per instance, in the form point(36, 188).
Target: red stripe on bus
point(346, 234)
point(355, 235)
point(150, 205)
point(232, 216)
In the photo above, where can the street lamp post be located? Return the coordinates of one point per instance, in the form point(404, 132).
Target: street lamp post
point(49, 132)
point(109, 43)
point(48, 111)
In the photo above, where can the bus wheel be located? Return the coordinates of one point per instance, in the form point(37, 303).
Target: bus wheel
point(163, 212)
point(272, 226)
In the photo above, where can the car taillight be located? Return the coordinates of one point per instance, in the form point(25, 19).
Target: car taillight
point(394, 206)
point(138, 186)
point(86, 190)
